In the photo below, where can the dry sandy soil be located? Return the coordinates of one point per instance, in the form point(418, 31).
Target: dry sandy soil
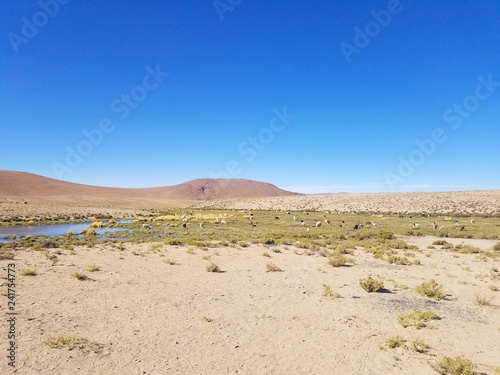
point(477, 202)
point(147, 316)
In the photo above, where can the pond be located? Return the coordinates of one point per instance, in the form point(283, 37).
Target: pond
point(52, 230)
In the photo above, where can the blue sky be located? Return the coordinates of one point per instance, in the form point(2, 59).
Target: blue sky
point(316, 96)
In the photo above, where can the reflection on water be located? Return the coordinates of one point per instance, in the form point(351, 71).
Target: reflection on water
point(53, 230)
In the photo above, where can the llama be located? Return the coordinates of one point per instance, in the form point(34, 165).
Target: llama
point(434, 225)
point(318, 224)
point(416, 225)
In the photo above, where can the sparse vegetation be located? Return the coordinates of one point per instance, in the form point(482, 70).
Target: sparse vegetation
point(212, 267)
point(71, 342)
point(28, 272)
point(482, 300)
point(395, 342)
point(431, 289)
point(417, 318)
point(271, 267)
point(205, 319)
point(458, 365)
point(328, 292)
point(93, 268)
point(419, 346)
point(6, 255)
point(371, 285)
point(79, 276)
point(338, 260)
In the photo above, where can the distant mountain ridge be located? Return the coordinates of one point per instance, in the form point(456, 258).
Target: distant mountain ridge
point(28, 185)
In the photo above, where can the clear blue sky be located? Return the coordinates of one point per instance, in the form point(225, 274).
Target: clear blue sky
point(359, 82)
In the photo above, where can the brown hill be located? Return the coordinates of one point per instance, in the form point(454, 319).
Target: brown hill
point(32, 187)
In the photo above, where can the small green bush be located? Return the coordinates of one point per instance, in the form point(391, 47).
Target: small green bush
point(394, 259)
point(212, 267)
point(419, 346)
point(458, 365)
point(395, 342)
point(417, 318)
point(440, 242)
point(28, 272)
point(6, 255)
point(431, 289)
point(371, 285)
point(271, 267)
point(338, 260)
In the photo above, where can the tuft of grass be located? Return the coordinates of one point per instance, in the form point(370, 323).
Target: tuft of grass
point(170, 261)
point(70, 342)
point(266, 254)
point(496, 247)
point(395, 342)
point(97, 224)
point(493, 288)
point(417, 318)
point(440, 242)
point(482, 300)
point(419, 346)
point(79, 276)
point(458, 365)
point(402, 261)
point(271, 267)
point(28, 272)
point(431, 289)
point(6, 255)
point(338, 260)
point(371, 285)
point(328, 292)
point(93, 268)
point(212, 267)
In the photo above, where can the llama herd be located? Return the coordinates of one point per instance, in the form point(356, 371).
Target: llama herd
point(318, 224)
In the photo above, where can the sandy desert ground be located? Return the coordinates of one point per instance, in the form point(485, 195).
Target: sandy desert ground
point(463, 202)
point(143, 315)
point(149, 305)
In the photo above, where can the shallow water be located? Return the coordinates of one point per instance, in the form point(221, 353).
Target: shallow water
point(53, 230)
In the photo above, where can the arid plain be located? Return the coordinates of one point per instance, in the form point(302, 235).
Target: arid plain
point(257, 286)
